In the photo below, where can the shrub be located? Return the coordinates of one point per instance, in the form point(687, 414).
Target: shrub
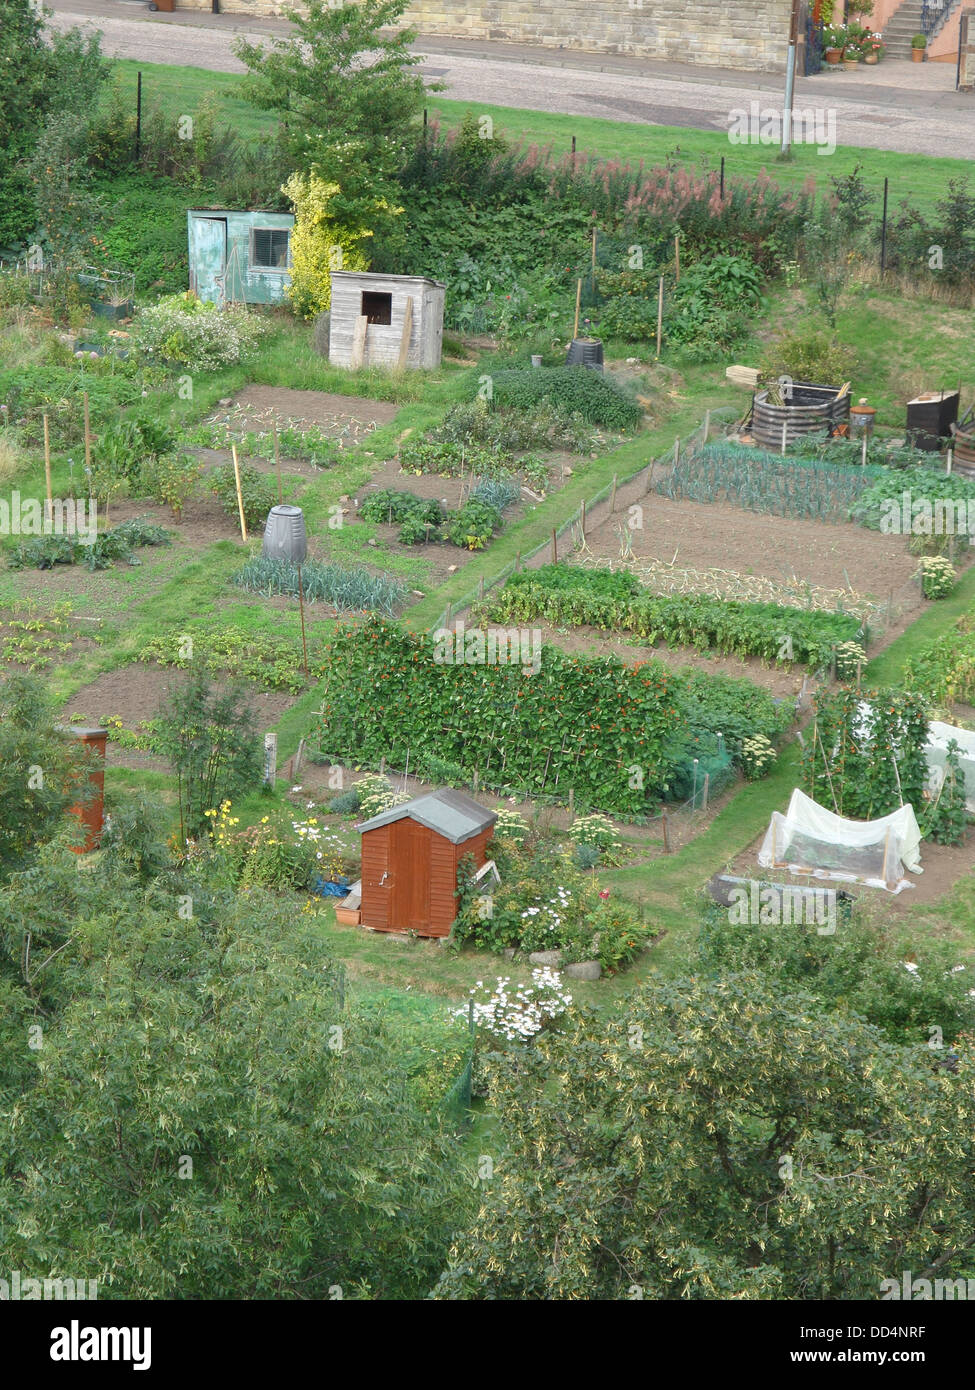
point(810, 356)
point(258, 491)
point(345, 804)
point(574, 390)
point(183, 331)
point(757, 757)
point(510, 825)
point(513, 431)
point(319, 243)
point(172, 480)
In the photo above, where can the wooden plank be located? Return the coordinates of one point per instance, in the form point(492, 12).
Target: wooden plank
point(404, 342)
point(359, 341)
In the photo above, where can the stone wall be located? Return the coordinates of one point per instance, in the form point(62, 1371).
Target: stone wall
point(749, 34)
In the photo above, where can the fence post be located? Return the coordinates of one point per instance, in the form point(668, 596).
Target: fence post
point(612, 498)
point(883, 231)
point(555, 548)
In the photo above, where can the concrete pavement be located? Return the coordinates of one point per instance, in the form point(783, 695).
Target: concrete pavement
point(906, 107)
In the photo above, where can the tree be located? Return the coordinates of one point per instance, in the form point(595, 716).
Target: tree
point(342, 76)
point(207, 1116)
point(41, 771)
point(720, 1139)
point(42, 74)
point(210, 739)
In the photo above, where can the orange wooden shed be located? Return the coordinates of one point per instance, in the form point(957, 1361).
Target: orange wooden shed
point(410, 857)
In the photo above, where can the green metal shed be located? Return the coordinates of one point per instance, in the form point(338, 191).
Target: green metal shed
point(239, 257)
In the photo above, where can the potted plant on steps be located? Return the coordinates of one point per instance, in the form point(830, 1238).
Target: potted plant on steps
point(851, 57)
point(834, 37)
point(918, 44)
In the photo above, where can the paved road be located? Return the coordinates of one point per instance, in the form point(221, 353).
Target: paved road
point(895, 106)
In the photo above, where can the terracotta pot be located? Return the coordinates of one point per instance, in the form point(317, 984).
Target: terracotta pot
point(851, 64)
point(834, 56)
point(917, 55)
point(871, 58)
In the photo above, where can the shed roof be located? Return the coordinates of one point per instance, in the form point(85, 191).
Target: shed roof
point(393, 279)
point(449, 813)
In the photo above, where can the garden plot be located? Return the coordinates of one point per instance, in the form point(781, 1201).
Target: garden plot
point(133, 694)
point(347, 419)
point(943, 866)
point(40, 638)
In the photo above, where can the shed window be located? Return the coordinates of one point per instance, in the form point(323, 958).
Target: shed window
point(377, 308)
point(269, 248)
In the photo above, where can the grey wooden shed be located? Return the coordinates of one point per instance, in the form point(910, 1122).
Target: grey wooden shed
point(385, 320)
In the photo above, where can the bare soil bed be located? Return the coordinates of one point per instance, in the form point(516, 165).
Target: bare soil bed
point(348, 419)
point(134, 694)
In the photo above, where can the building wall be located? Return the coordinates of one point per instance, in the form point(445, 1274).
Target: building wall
point(751, 34)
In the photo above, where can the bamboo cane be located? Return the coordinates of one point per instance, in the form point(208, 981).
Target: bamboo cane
point(47, 463)
point(240, 496)
point(575, 330)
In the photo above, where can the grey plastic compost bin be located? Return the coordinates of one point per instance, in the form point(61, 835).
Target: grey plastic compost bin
point(284, 534)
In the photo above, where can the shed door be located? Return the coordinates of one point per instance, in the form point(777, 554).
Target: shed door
point(208, 258)
point(411, 878)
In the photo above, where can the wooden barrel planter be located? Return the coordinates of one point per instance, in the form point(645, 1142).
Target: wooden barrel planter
point(811, 410)
point(963, 452)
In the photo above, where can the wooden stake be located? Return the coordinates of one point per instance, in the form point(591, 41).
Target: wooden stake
point(886, 855)
point(676, 452)
point(575, 330)
point(47, 463)
point(677, 256)
point(707, 425)
point(301, 609)
point(277, 456)
point(707, 783)
point(612, 496)
point(660, 315)
point(583, 518)
point(240, 496)
point(405, 336)
point(948, 467)
point(555, 548)
point(87, 435)
point(785, 435)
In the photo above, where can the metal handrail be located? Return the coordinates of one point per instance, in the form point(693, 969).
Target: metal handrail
point(934, 13)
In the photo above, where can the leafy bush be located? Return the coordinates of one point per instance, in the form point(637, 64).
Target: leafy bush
point(472, 525)
point(348, 590)
point(258, 492)
point(945, 817)
point(574, 390)
point(183, 331)
point(811, 356)
point(171, 480)
point(210, 738)
point(857, 970)
point(545, 902)
point(43, 552)
point(390, 505)
point(514, 431)
point(943, 671)
point(940, 504)
point(377, 794)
